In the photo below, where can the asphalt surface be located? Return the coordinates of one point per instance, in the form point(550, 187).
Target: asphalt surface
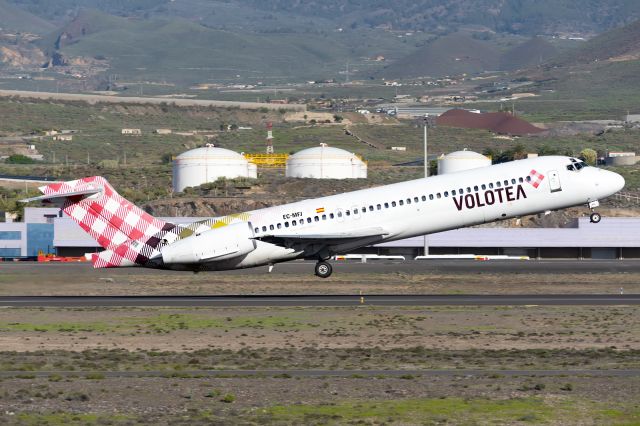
point(322, 300)
point(328, 373)
point(449, 266)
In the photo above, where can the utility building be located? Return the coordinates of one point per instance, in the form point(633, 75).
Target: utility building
point(202, 165)
point(325, 162)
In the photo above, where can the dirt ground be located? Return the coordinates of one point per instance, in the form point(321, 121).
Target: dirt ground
point(76, 349)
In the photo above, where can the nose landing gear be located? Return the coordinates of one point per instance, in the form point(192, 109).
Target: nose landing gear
point(323, 269)
point(595, 216)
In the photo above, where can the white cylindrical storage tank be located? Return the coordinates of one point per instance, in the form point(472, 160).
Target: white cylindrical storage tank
point(326, 162)
point(461, 160)
point(207, 164)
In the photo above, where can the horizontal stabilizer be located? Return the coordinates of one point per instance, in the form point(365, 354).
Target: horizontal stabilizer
point(61, 195)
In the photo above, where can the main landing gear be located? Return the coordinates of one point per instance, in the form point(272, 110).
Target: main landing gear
point(323, 269)
point(595, 216)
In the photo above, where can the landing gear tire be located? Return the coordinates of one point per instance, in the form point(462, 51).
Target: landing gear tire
point(323, 269)
point(595, 217)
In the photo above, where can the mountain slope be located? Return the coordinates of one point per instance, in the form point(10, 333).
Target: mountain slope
point(449, 55)
point(183, 51)
point(617, 45)
point(531, 53)
point(15, 19)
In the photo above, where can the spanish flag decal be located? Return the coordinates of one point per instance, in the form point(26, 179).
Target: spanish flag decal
point(320, 210)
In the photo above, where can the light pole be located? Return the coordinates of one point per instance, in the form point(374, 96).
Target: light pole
point(426, 174)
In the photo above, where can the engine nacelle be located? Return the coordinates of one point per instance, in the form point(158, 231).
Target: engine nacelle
point(216, 244)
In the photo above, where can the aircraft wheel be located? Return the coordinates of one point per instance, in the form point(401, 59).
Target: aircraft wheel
point(595, 217)
point(323, 269)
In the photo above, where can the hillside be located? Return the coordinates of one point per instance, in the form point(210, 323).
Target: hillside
point(621, 44)
point(185, 52)
point(511, 16)
point(13, 18)
point(533, 52)
point(449, 55)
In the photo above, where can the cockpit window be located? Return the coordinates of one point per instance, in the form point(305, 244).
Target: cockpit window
point(578, 166)
point(570, 168)
point(584, 164)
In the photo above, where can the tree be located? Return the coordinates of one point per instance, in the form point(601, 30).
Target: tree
point(19, 159)
point(589, 156)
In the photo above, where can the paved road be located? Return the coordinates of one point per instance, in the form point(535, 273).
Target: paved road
point(329, 373)
point(323, 300)
point(444, 266)
point(92, 99)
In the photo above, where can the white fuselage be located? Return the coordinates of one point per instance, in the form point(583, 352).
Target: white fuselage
point(425, 206)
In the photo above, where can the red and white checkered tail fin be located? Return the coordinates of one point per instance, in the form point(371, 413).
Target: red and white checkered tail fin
point(128, 234)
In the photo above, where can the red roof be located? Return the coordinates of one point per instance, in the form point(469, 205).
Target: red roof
point(498, 122)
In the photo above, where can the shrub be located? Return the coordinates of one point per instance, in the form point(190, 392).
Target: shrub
point(228, 398)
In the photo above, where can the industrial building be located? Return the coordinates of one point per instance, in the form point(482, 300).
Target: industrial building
point(611, 238)
point(21, 239)
point(461, 160)
point(325, 162)
point(207, 164)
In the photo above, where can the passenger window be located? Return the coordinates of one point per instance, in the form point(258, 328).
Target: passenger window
point(490, 185)
point(348, 213)
point(286, 224)
point(446, 193)
point(475, 188)
point(513, 181)
point(431, 196)
point(520, 180)
point(439, 195)
point(401, 202)
point(370, 208)
point(483, 186)
point(293, 223)
point(506, 183)
point(363, 210)
point(416, 199)
point(256, 230)
point(279, 226)
point(528, 179)
point(331, 216)
point(424, 198)
point(393, 204)
point(339, 214)
point(316, 218)
point(408, 200)
point(453, 192)
point(498, 184)
point(324, 217)
point(271, 227)
point(379, 207)
point(308, 220)
point(469, 189)
point(386, 205)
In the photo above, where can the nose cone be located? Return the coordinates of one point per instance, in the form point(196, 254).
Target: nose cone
point(608, 183)
point(615, 182)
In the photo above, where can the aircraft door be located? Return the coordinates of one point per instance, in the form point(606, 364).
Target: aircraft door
point(554, 181)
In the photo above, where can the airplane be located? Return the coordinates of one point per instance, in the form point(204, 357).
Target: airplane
point(320, 228)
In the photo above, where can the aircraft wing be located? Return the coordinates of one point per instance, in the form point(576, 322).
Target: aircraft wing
point(327, 239)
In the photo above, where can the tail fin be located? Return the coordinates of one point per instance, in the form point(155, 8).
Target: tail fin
point(128, 234)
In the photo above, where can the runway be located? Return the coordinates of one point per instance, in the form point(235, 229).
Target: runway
point(322, 300)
